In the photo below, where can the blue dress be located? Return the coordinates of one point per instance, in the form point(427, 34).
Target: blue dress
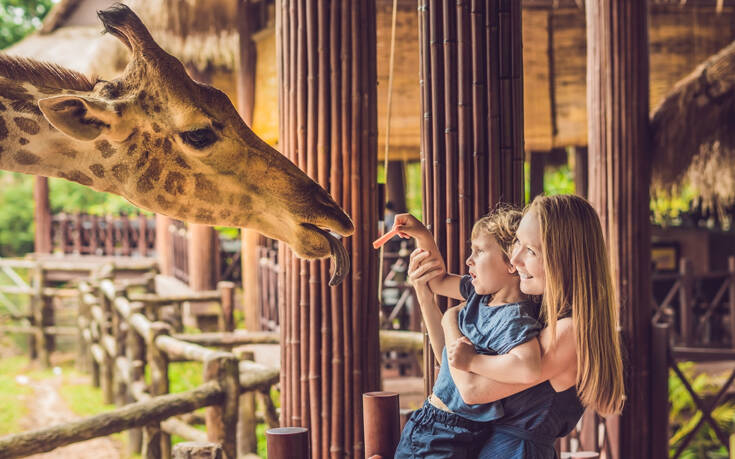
point(533, 420)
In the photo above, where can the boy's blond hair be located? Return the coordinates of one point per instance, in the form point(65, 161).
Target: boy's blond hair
point(501, 223)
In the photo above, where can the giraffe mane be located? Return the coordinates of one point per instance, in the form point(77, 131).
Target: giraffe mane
point(43, 74)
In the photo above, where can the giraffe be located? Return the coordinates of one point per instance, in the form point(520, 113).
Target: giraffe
point(164, 142)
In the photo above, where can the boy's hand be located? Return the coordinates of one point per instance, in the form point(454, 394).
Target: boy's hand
point(461, 353)
point(409, 226)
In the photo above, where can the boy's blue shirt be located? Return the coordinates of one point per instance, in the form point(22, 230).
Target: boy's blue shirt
point(492, 330)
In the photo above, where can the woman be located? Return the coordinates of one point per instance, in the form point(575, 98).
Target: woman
point(560, 253)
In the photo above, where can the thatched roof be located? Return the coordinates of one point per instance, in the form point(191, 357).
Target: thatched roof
point(693, 131)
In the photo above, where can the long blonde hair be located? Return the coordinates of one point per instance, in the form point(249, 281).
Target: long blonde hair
point(578, 279)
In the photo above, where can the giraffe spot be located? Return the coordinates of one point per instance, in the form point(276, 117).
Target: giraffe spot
point(204, 216)
point(98, 170)
point(2, 107)
point(3, 129)
point(245, 202)
point(77, 176)
point(120, 172)
point(163, 202)
point(150, 176)
point(157, 108)
point(156, 127)
point(23, 141)
point(205, 188)
point(167, 146)
point(22, 106)
point(143, 160)
point(175, 183)
point(105, 148)
point(69, 153)
point(26, 158)
point(27, 125)
point(157, 143)
point(131, 149)
point(225, 214)
point(217, 125)
point(179, 160)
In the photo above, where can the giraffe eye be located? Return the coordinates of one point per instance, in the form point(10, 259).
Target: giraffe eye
point(199, 138)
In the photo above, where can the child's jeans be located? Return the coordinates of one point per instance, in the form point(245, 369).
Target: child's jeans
point(435, 434)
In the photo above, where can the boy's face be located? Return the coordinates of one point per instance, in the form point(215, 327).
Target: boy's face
point(488, 269)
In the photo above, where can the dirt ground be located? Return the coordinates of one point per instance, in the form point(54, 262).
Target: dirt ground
point(47, 407)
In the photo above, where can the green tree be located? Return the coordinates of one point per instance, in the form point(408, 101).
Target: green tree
point(18, 18)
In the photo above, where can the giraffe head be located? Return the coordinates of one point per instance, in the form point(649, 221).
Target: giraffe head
point(178, 147)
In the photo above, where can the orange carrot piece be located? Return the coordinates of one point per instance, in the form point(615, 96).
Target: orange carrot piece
point(379, 242)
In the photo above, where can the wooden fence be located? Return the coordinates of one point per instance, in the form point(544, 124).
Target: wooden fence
point(120, 235)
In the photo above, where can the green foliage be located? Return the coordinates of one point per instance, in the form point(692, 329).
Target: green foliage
point(16, 218)
point(684, 416)
point(667, 210)
point(18, 18)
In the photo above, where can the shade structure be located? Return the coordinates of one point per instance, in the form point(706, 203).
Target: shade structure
point(328, 126)
point(471, 76)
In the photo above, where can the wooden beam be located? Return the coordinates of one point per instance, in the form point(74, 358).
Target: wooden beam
point(42, 215)
point(617, 102)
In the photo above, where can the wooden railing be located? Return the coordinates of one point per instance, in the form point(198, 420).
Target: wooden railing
point(110, 235)
point(118, 338)
point(227, 255)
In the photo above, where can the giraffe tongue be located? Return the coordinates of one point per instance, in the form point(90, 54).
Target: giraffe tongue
point(339, 256)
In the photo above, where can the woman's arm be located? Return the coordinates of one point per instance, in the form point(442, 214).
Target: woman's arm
point(521, 365)
point(555, 360)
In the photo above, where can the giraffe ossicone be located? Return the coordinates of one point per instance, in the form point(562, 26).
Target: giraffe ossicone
point(163, 141)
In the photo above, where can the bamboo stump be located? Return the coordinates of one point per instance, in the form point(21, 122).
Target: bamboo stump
point(198, 450)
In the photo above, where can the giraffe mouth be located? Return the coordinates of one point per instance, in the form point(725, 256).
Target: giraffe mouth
point(337, 253)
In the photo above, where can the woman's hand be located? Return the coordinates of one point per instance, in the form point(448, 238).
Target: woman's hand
point(422, 268)
point(449, 319)
point(460, 353)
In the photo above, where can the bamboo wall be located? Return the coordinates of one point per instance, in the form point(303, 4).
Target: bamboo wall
point(472, 134)
point(327, 84)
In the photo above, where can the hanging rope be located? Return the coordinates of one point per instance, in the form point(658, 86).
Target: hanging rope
point(387, 141)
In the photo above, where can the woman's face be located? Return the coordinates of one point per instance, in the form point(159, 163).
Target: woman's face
point(527, 256)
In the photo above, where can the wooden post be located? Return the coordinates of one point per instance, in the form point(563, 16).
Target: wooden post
point(164, 245)
point(36, 340)
point(155, 441)
point(581, 170)
point(288, 443)
point(42, 215)
point(201, 252)
point(246, 104)
point(382, 423)
point(328, 127)
point(221, 420)
point(198, 450)
point(247, 441)
point(619, 182)
point(48, 341)
point(538, 163)
point(731, 301)
point(660, 392)
point(226, 318)
point(686, 297)
point(395, 183)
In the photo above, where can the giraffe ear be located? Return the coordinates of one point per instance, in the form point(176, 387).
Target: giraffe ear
point(82, 118)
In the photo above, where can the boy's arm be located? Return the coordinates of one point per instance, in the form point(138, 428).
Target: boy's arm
point(444, 284)
point(521, 365)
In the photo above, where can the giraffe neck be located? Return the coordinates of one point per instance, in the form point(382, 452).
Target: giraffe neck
point(31, 145)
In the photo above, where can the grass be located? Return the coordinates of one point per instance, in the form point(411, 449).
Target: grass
point(12, 394)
